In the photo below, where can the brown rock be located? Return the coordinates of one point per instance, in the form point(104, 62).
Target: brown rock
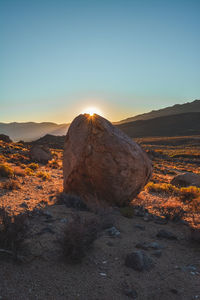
point(186, 179)
point(40, 154)
point(102, 163)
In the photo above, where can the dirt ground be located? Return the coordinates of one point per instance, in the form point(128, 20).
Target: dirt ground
point(103, 274)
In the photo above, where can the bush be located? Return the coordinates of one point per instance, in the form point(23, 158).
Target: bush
point(11, 184)
point(43, 175)
point(189, 193)
point(29, 172)
point(71, 201)
point(6, 171)
point(78, 238)
point(33, 166)
point(13, 231)
point(166, 188)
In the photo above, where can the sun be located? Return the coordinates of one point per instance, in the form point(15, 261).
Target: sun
point(91, 111)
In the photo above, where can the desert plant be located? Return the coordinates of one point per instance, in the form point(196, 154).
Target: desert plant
point(29, 172)
point(43, 175)
point(6, 171)
point(166, 188)
point(189, 193)
point(79, 236)
point(33, 166)
point(13, 229)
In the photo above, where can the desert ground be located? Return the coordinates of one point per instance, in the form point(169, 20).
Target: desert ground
point(158, 224)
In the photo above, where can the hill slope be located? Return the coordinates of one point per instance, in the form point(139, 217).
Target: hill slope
point(31, 130)
point(171, 110)
point(175, 125)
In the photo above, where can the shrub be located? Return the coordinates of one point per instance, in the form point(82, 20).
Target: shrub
point(189, 193)
point(13, 231)
point(29, 172)
point(43, 175)
point(79, 236)
point(11, 184)
point(33, 166)
point(166, 188)
point(54, 164)
point(71, 201)
point(127, 211)
point(5, 171)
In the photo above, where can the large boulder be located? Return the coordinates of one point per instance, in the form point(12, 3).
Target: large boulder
point(186, 179)
point(101, 163)
point(40, 154)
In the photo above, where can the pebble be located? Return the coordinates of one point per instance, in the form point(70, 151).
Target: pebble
point(103, 274)
point(113, 231)
point(166, 235)
point(139, 261)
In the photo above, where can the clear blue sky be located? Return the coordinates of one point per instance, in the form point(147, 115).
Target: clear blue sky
point(124, 57)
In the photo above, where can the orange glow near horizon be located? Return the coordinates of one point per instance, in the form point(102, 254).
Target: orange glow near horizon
point(91, 111)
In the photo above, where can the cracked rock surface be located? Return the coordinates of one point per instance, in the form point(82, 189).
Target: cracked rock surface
point(100, 162)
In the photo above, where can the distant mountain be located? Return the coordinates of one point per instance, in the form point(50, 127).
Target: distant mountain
point(171, 110)
point(31, 131)
point(185, 124)
point(53, 141)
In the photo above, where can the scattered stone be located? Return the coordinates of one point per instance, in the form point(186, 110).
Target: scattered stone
point(152, 245)
point(139, 261)
point(160, 220)
point(113, 231)
point(64, 220)
point(140, 226)
point(131, 293)
point(40, 154)
point(143, 246)
point(166, 235)
point(102, 163)
point(103, 274)
point(186, 179)
point(24, 205)
point(157, 253)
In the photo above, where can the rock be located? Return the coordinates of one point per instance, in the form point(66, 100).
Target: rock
point(140, 226)
point(195, 234)
point(101, 163)
point(24, 205)
point(146, 246)
point(166, 235)
point(131, 293)
point(157, 253)
point(5, 138)
point(160, 220)
point(113, 231)
point(186, 179)
point(40, 154)
point(139, 261)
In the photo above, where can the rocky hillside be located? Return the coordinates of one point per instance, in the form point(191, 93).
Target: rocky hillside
point(171, 110)
point(174, 125)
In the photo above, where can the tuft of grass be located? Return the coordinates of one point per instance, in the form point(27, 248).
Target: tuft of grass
point(43, 175)
point(33, 166)
point(78, 238)
point(189, 193)
point(6, 171)
point(13, 230)
point(127, 212)
point(165, 188)
point(29, 172)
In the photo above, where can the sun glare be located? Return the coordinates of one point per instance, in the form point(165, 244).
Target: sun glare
point(91, 111)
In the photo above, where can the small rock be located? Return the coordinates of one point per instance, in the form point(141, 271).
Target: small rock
point(103, 274)
point(143, 246)
point(155, 245)
point(140, 226)
point(160, 220)
point(64, 220)
point(157, 253)
point(131, 293)
point(113, 231)
point(138, 261)
point(166, 235)
point(24, 205)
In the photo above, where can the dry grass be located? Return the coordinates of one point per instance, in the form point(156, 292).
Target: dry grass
point(13, 231)
point(33, 166)
point(79, 236)
point(43, 175)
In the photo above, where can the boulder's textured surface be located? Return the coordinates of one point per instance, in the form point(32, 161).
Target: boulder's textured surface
point(102, 163)
point(40, 154)
point(186, 179)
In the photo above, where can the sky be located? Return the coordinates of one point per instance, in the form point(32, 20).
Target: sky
point(58, 57)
